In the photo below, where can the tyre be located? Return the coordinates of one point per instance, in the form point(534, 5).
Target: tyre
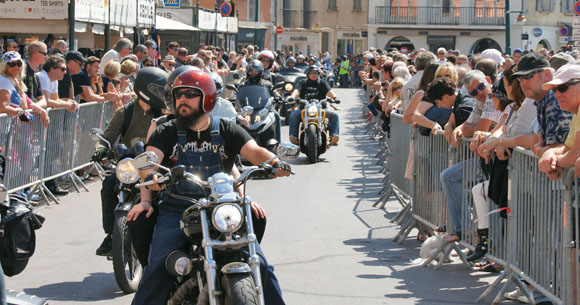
point(312, 144)
point(126, 266)
point(239, 289)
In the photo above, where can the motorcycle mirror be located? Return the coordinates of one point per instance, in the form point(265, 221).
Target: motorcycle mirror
point(247, 110)
point(232, 87)
point(279, 85)
point(287, 151)
point(146, 160)
point(96, 134)
point(126, 171)
point(236, 76)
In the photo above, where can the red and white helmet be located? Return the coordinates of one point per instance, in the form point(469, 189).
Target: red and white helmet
point(197, 80)
point(269, 55)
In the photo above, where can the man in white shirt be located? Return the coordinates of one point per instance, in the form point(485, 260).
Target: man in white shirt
point(421, 61)
point(121, 49)
point(52, 72)
point(441, 53)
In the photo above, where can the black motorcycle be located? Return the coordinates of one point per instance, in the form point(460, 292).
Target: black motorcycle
point(220, 228)
point(126, 266)
point(290, 77)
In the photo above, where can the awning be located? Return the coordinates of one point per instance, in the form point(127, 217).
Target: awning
point(165, 24)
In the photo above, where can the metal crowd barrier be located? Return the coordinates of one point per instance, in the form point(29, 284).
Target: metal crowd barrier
point(35, 154)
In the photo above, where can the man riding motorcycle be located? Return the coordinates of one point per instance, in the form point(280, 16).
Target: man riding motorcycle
point(205, 146)
point(268, 60)
point(290, 62)
point(148, 105)
point(313, 87)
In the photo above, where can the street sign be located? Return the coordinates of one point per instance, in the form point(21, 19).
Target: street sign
point(537, 32)
point(564, 39)
point(279, 30)
point(564, 31)
point(171, 3)
point(225, 9)
point(577, 7)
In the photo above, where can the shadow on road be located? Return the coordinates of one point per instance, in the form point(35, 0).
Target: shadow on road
point(77, 291)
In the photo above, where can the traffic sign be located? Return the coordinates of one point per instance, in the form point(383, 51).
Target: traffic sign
point(564, 31)
point(279, 30)
point(577, 7)
point(225, 9)
point(564, 39)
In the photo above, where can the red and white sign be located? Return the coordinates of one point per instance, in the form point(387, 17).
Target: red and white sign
point(404, 50)
point(279, 30)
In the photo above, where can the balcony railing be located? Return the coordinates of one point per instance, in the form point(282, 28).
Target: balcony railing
point(440, 15)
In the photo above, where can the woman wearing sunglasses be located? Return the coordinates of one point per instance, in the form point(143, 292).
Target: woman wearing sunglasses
point(13, 99)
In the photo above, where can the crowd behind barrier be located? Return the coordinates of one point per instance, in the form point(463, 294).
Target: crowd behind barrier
point(535, 243)
point(35, 154)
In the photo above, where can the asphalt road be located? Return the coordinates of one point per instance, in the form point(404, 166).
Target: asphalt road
point(328, 245)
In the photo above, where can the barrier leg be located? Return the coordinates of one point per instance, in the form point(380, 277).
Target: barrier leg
point(445, 259)
point(489, 289)
point(400, 214)
point(408, 213)
point(100, 170)
point(434, 255)
point(43, 190)
point(462, 257)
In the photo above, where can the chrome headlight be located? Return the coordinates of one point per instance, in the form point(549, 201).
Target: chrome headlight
point(178, 263)
point(312, 111)
point(289, 87)
point(126, 171)
point(261, 115)
point(227, 218)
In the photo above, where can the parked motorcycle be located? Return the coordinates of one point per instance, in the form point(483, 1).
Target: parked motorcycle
point(313, 135)
point(330, 76)
point(126, 266)
point(219, 227)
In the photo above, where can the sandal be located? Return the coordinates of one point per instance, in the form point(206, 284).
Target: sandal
point(491, 268)
point(481, 264)
point(441, 229)
point(455, 237)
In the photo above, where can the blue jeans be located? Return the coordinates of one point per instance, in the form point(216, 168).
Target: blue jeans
point(156, 283)
point(2, 287)
point(295, 118)
point(451, 179)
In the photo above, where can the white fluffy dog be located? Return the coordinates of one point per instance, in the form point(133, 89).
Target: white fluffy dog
point(432, 245)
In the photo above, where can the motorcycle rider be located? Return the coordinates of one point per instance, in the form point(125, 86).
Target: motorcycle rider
point(290, 62)
point(313, 87)
point(190, 138)
point(268, 60)
point(254, 76)
point(146, 106)
point(300, 61)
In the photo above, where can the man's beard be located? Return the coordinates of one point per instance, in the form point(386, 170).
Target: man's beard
point(187, 121)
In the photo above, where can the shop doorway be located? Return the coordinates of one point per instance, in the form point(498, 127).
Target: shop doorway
point(484, 44)
point(543, 44)
point(403, 44)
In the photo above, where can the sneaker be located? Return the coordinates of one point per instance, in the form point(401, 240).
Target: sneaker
point(106, 246)
point(514, 295)
point(294, 140)
point(333, 141)
point(524, 299)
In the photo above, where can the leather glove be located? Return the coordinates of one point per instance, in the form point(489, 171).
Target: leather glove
point(99, 154)
point(282, 165)
point(336, 101)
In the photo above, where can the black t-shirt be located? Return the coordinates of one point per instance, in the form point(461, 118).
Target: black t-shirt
point(165, 139)
point(80, 80)
point(33, 85)
point(64, 86)
point(313, 89)
point(462, 108)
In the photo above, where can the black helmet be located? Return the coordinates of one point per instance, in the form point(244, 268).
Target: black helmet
point(312, 68)
point(169, 84)
point(255, 69)
point(149, 87)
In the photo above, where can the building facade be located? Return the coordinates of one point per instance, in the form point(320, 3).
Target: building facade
point(470, 26)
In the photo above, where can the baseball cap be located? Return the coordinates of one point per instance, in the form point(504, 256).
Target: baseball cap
point(563, 75)
point(531, 62)
point(368, 56)
point(75, 55)
point(11, 56)
point(169, 58)
point(560, 59)
point(518, 50)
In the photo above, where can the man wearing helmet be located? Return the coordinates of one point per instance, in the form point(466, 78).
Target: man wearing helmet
point(266, 57)
point(130, 123)
point(205, 146)
point(290, 62)
point(300, 61)
point(313, 87)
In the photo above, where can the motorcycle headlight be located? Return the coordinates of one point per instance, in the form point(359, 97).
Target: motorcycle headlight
point(247, 110)
point(263, 112)
point(227, 218)
point(289, 87)
point(312, 111)
point(178, 263)
point(126, 171)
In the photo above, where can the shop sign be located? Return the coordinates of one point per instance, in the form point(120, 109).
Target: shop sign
point(350, 35)
point(206, 20)
point(50, 9)
point(298, 38)
point(96, 11)
point(183, 15)
point(441, 40)
point(232, 24)
point(146, 13)
point(123, 13)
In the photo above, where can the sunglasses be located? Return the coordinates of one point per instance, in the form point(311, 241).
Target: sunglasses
point(188, 93)
point(396, 88)
point(13, 64)
point(564, 87)
point(62, 68)
point(476, 90)
point(529, 75)
point(43, 53)
point(441, 53)
point(171, 65)
point(80, 63)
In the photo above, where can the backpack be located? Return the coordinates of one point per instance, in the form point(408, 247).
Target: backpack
point(18, 222)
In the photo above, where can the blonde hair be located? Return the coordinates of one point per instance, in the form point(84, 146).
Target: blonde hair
point(128, 67)
point(4, 72)
point(397, 81)
point(447, 67)
point(112, 69)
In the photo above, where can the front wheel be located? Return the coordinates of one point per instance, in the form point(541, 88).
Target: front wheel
point(239, 289)
point(128, 270)
point(312, 135)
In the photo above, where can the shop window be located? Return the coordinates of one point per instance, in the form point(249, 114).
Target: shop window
point(332, 5)
point(357, 5)
point(252, 10)
point(568, 6)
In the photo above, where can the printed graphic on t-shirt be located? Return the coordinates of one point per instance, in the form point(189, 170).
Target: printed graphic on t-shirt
point(197, 147)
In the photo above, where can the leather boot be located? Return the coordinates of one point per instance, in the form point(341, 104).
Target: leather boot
point(481, 248)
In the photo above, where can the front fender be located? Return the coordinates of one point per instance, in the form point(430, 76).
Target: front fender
point(236, 268)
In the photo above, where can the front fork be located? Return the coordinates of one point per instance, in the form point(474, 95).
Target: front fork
point(211, 265)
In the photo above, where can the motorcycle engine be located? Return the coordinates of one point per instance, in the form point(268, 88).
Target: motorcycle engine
point(191, 223)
